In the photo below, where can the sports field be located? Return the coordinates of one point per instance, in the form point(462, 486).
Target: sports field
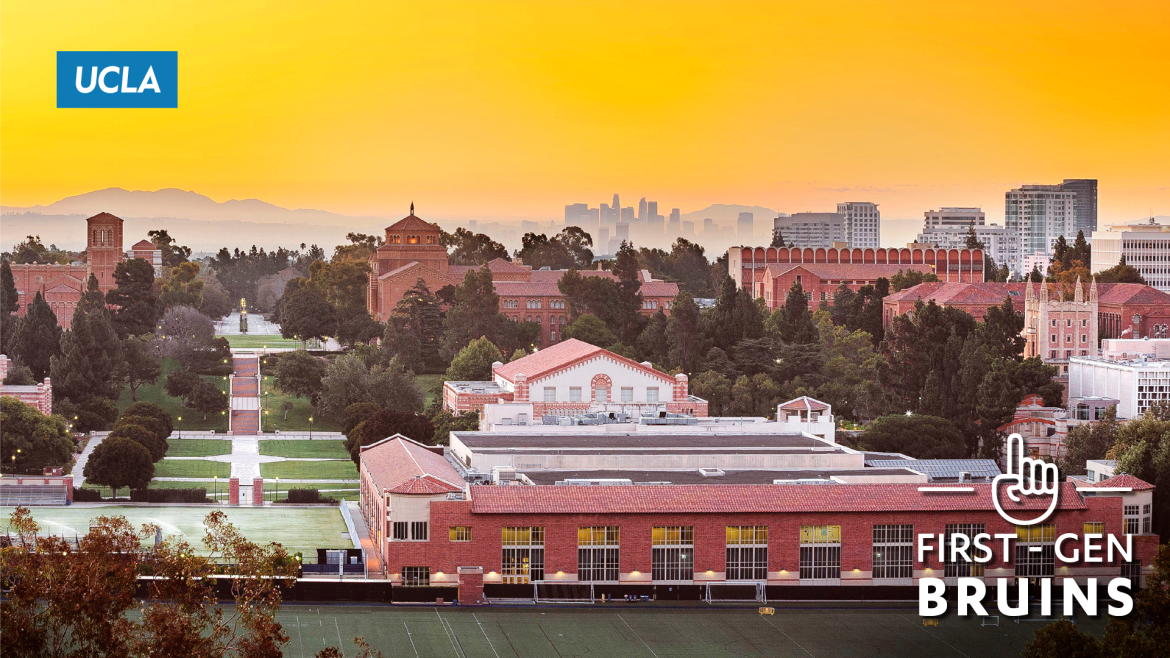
point(646, 632)
point(303, 529)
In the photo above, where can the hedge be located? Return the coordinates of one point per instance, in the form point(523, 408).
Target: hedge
point(87, 496)
point(307, 496)
point(190, 495)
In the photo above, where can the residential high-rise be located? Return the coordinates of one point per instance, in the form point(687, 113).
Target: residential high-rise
point(1144, 244)
point(946, 217)
point(948, 228)
point(862, 224)
point(675, 221)
point(1040, 214)
point(745, 227)
point(1086, 204)
point(811, 229)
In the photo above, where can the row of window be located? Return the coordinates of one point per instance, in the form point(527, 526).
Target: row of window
point(673, 559)
point(1068, 338)
point(600, 394)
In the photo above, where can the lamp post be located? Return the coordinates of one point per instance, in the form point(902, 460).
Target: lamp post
point(310, 428)
point(276, 498)
point(180, 428)
point(226, 428)
point(215, 495)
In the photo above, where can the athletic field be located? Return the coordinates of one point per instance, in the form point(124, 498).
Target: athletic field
point(303, 529)
point(610, 630)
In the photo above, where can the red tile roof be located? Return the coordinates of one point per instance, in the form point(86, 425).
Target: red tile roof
point(849, 271)
point(401, 465)
point(989, 293)
point(1125, 480)
point(412, 223)
point(747, 498)
point(548, 359)
point(1130, 293)
point(143, 245)
point(804, 402)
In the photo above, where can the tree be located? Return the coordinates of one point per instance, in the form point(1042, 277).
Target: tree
point(32, 250)
point(715, 388)
point(151, 410)
point(206, 398)
point(307, 315)
point(348, 380)
point(1143, 451)
point(685, 344)
point(652, 343)
point(1085, 442)
point(997, 399)
point(31, 441)
point(903, 280)
point(590, 329)
point(95, 414)
point(474, 362)
point(154, 444)
point(1061, 639)
point(1001, 330)
point(173, 255)
point(916, 435)
point(300, 373)
point(140, 363)
point(387, 423)
point(446, 422)
point(627, 320)
point(472, 248)
point(475, 313)
point(1145, 632)
point(777, 239)
point(415, 328)
point(182, 287)
point(37, 338)
point(734, 317)
point(9, 305)
point(120, 462)
point(90, 361)
point(216, 303)
point(356, 413)
point(182, 384)
point(133, 298)
point(1121, 273)
point(793, 323)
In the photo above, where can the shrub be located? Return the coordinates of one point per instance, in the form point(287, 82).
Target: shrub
point(84, 495)
point(188, 495)
point(307, 497)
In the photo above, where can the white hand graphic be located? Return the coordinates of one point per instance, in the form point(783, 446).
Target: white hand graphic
point(1032, 477)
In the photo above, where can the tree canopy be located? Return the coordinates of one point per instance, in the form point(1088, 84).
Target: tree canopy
point(921, 437)
point(120, 462)
point(31, 441)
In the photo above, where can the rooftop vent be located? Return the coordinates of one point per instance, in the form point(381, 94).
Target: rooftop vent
point(594, 482)
point(711, 472)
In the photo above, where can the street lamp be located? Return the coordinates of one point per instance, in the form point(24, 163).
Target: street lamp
point(180, 427)
point(277, 497)
point(310, 428)
point(215, 496)
point(224, 414)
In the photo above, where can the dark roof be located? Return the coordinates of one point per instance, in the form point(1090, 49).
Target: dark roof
point(692, 476)
point(639, 440)
point(941, 468)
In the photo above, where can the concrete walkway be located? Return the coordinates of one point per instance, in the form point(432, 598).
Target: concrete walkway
point(373, 555)
point(292, 481)
point(245, 458)
point(79, 467)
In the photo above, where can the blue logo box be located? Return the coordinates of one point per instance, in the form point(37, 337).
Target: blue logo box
point(131, 78)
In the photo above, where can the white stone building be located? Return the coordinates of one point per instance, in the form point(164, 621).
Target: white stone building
point(1145, 245)
point(862, 224)
point(1136, 379)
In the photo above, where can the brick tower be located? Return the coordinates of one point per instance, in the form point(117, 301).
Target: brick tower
point(103, 247)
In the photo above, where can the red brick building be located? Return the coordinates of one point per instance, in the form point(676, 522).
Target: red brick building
point(821, 281)
point(412, 250)
point(39, 396)
point(61, 286)
point(664, 540)
point(747, 265)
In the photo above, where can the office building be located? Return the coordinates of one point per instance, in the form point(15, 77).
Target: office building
point(623, 233)
point(1086, 208)
point(642, 209)
point(745, 227)
point(602, 237)
point(1040, 214)
point(948, 228)
point(675, 222)
point(580, 214)
point(1144, 244)
point(708, 227)
point(953, 217)
point(862, 224)
point(811, 229)
point(628, 215)
point(1138, 375)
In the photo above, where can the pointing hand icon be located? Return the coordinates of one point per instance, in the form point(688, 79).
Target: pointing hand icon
point(1031, 477)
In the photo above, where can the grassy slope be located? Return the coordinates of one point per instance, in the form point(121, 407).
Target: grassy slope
point(261, 341)
point(198, 447)
point(156, 393)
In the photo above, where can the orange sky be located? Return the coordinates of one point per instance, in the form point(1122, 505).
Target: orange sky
point(515, 109)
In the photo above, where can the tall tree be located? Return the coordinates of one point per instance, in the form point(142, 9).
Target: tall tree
point(173, 254)
point(652, 344)
point(474, 362)
point(683, 335)
point(1089, 441)
point(476, 313)
point(793, 322)
point(415, 328)
point(9, 305)
point(307, 315)
point(917, 435)
point(472, 248)
point(133, 298)
point(120, 462)
point(89, 364)
point(37, 338)
point(182, 287)
point(590, 329)
point(300, 373)
point(1001, 330)
point(628, 319)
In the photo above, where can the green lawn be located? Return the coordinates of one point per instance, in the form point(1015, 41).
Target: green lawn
point(124, 492)
point(340, 470)
point(198, 447)
point(261, 341)
point(298, 416)
point(298, 529)
point(426, 383)
point(192, 468)
point(338, 490)
point(325, 449)
point(184, 419)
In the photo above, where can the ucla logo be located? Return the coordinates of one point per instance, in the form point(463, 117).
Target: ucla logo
point(117, 79)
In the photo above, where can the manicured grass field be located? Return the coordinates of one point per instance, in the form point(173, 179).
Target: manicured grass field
point(326, 449)
point(329, 489)
point(303, 529)
point(618, 630)
point(192, 468)
point(297, 417)
point(157, 394)
point(197, 447)
point(339, 470)
point(260, 341)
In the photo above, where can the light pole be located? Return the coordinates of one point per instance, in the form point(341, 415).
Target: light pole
point(310, 428)
point(180, 428)
point(225, 425)
point(276, 498)
point(215, 496)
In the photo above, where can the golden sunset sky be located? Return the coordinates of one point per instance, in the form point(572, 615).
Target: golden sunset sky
point(515, 109)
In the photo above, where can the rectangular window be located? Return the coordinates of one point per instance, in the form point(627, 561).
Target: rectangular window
point(893, 551)
point(820, 552)
point(962, 568)
point(418, 530)
point(1130, 513)
point(627, 394)
point(416, 576)
point(1036, 550)
point(747, 552)
point(597, 553)
point(523, 554)
point(400, 530)
point(600, 394)
point(460, 533)
point(550, 393)
point(673, 553)
point(574, 394)
point(1133, 571)
point(1094, 528)
point(652, 394)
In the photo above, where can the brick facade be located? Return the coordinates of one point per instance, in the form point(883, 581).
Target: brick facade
point(39, 396)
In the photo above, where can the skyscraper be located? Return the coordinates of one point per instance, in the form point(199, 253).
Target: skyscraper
point(862, 223)
point(642, 210)
point(1086, 205)
point(617, 203)
point(628, 215)
point(1039, 214)
point(708, 227)
point(673, 225)
point(745, 227)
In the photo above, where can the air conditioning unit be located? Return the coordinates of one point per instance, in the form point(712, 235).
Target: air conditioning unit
point(503, 475)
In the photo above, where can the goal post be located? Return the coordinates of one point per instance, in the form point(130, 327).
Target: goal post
point(735, 592)
point(564, 593)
